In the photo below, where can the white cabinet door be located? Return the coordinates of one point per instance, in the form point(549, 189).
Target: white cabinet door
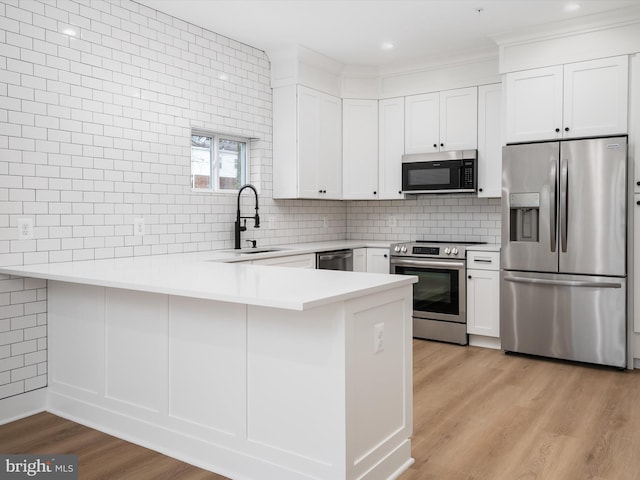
point(359, 259)
point(595, 97)
point(307, 260)
point(308, 143)
point(359, 149)
point(634, 118)
point(636, 263)
point(307, 150)
point(534, 104)
point(483, 302)
point(391, 148)
point(459, 119)
point(329, 167)
point(422, 123)
point(490, 140)
point(378, 260)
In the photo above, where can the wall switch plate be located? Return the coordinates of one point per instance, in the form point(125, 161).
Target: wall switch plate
point(378, 337)
point(138, 227)
point(25, 229)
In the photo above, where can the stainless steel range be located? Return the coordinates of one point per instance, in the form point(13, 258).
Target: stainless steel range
point(439, 297)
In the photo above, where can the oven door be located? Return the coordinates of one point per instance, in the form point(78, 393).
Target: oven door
point(440, 293)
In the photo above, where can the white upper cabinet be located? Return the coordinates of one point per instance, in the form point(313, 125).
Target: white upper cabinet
point(595, 97)
point(490, 140)
point(441, 121)
point(422, 123)
point(575, 100)
point(459, 119)
point(360, 149)
point(391, 148)
point(307, 143)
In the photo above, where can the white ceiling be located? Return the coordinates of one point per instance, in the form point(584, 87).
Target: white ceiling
point(351, 31)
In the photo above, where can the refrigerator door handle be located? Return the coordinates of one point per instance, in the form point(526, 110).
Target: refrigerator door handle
point(553, 174)
point(564, 202)
point(563, 283)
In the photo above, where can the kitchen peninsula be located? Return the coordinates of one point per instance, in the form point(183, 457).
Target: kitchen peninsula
point(246, 370)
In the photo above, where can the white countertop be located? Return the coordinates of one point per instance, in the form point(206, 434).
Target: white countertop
point(487, 247)
point(213, 275)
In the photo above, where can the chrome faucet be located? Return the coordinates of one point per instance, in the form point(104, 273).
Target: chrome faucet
point(256, 218)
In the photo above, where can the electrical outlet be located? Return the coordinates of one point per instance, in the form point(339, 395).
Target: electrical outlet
point(325, 222)
point(25, 229)
point(138, 227)
point(378, 337)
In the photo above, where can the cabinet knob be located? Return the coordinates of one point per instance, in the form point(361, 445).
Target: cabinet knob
point(375, 193)
point(557, 130)
point(435, 145)
point(480, 189)
point(638, 202)
point(638, 183)
point(566, 129)
point(400, 191)
point(469, 277)
point(442, 144)
point(386, 256)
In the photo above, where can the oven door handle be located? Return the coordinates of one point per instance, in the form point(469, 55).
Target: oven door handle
point(426, 263)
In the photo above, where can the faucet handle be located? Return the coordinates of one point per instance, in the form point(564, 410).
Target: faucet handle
point(254, 243)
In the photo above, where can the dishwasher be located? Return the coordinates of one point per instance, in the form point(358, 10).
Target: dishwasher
point(335, 260)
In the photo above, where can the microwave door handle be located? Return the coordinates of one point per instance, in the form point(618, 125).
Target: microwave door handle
point(553, 210)
point(564, 203)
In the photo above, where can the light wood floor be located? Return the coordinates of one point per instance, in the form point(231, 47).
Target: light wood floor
point(478, 414)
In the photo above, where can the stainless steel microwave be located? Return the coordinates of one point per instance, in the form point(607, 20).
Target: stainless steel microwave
point(440, 172)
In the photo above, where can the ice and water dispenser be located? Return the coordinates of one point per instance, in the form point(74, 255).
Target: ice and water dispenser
point(524, 217)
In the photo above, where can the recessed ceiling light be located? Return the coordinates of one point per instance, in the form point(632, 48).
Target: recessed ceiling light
point(571, 7)
point(387, 46)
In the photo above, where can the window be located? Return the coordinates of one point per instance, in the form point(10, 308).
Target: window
point(218, 162)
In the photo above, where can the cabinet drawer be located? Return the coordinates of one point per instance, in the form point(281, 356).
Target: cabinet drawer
point(483, 260)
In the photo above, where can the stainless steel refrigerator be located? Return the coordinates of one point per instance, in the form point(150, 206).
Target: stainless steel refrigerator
point(563, 259)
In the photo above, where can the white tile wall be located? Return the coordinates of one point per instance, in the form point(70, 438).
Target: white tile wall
point(426, 217)
point(23, 335)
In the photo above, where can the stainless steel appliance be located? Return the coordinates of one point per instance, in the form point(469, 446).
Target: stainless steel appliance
point(563, 259)
point(439, 296)
point(440, 172)
point(335, 260)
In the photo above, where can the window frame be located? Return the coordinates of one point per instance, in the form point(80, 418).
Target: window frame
point(214, 182)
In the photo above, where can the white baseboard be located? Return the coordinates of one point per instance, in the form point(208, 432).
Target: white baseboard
point(23, 405)
point(484, 342)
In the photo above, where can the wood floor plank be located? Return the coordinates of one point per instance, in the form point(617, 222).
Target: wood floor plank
point(478, 415)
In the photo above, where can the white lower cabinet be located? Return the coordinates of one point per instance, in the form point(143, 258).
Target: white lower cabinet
point(371, 260)
point(296, 261)
point(483, 298)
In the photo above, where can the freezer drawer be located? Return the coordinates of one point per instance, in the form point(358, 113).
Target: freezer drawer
point(572, 317)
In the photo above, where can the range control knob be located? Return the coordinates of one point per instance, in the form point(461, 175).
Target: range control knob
point(397, 249)
point(454, 251)
point(403, 249)
point(447, 251)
